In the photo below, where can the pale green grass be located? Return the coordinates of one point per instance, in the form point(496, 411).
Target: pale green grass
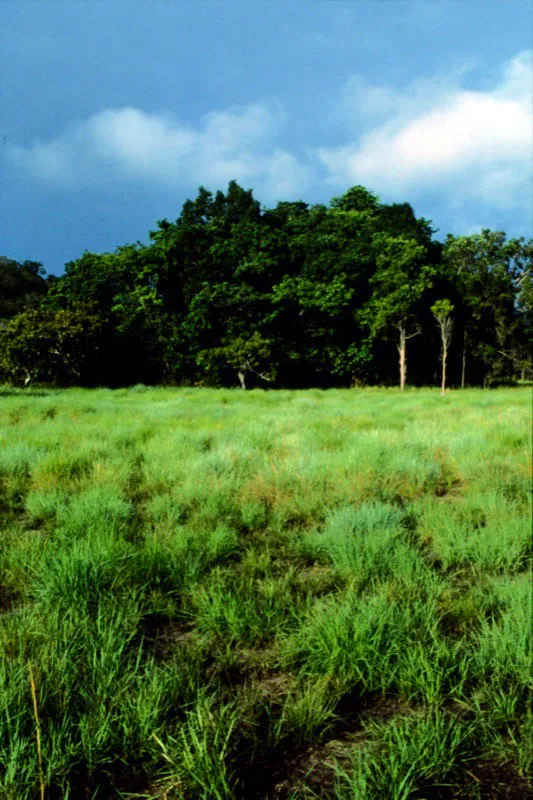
point(208, 585)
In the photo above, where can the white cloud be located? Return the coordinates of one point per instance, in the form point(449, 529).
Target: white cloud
point(158, 148)
point(438, 136)
point(434, 138)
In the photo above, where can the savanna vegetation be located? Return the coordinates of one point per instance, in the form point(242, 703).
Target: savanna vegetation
point(216, 594)
point(356, 292)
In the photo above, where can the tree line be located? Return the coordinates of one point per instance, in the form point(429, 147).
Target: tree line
point(350, 293)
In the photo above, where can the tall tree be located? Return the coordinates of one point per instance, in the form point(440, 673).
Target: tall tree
point(22, 286)
point(525, 308)
point(123, 291)
point(401, 278)
point(442, 311)
point(221, 258)
point(333, 248)
point(486, 269)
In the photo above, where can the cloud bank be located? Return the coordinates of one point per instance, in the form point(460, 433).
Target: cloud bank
point(436, 136)
point(128, 143)
point(432, 139)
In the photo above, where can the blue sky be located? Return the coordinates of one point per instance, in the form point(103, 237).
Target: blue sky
point(113, 113)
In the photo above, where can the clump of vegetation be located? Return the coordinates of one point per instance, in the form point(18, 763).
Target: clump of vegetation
point(223, 594)
point(233, 293)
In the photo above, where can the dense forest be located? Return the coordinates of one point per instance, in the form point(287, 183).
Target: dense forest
point(351, 293)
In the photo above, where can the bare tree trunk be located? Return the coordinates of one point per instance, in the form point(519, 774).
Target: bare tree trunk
point(242, 378)
point(442, 311)
point(463, 372)
point(401, 350)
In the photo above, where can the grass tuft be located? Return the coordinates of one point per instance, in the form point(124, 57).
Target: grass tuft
point(228, 594)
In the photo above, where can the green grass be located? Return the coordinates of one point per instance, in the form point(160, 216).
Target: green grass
point(221, 594)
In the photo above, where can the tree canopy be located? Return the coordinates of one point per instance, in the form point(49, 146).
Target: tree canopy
point(232, 293)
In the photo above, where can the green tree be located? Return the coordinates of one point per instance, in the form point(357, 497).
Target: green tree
point(46, 345)
point(221, 258)
point(246, 355)
point(317, 302)
point(442, 311)
point(525, 308)
point(398, 284)
point(123, 289)
point(357, 199)
point(486, 269)
point(307, 294)
point(21, 285)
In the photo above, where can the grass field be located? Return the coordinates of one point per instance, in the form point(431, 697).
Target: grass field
point(217, 594)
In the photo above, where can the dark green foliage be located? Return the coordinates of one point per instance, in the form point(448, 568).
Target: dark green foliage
point(49, 346)
point(490, 276)
point(21, 285)
point(295, 295)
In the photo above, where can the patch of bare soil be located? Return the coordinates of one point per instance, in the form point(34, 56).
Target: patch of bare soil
point(283, 770)
point(493, 780)
point(9, 599)
point(162, 636)
point(115, 780)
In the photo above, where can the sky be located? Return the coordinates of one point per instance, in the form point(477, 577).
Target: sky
point(114, 112)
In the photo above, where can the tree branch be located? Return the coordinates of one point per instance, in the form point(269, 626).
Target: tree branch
point(416, 333)
point(262, 375)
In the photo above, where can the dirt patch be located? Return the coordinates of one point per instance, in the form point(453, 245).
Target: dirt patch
point(9, 599)
point(493, 780)
point(115, 780)
point(283, 770)
point(161, 636)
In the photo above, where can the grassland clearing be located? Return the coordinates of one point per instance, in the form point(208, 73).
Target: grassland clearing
point(221, 594)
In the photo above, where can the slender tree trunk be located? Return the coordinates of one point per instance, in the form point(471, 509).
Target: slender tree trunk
point(442, 311)
point(463, 372)
point(242, 378)
point(401, 351)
